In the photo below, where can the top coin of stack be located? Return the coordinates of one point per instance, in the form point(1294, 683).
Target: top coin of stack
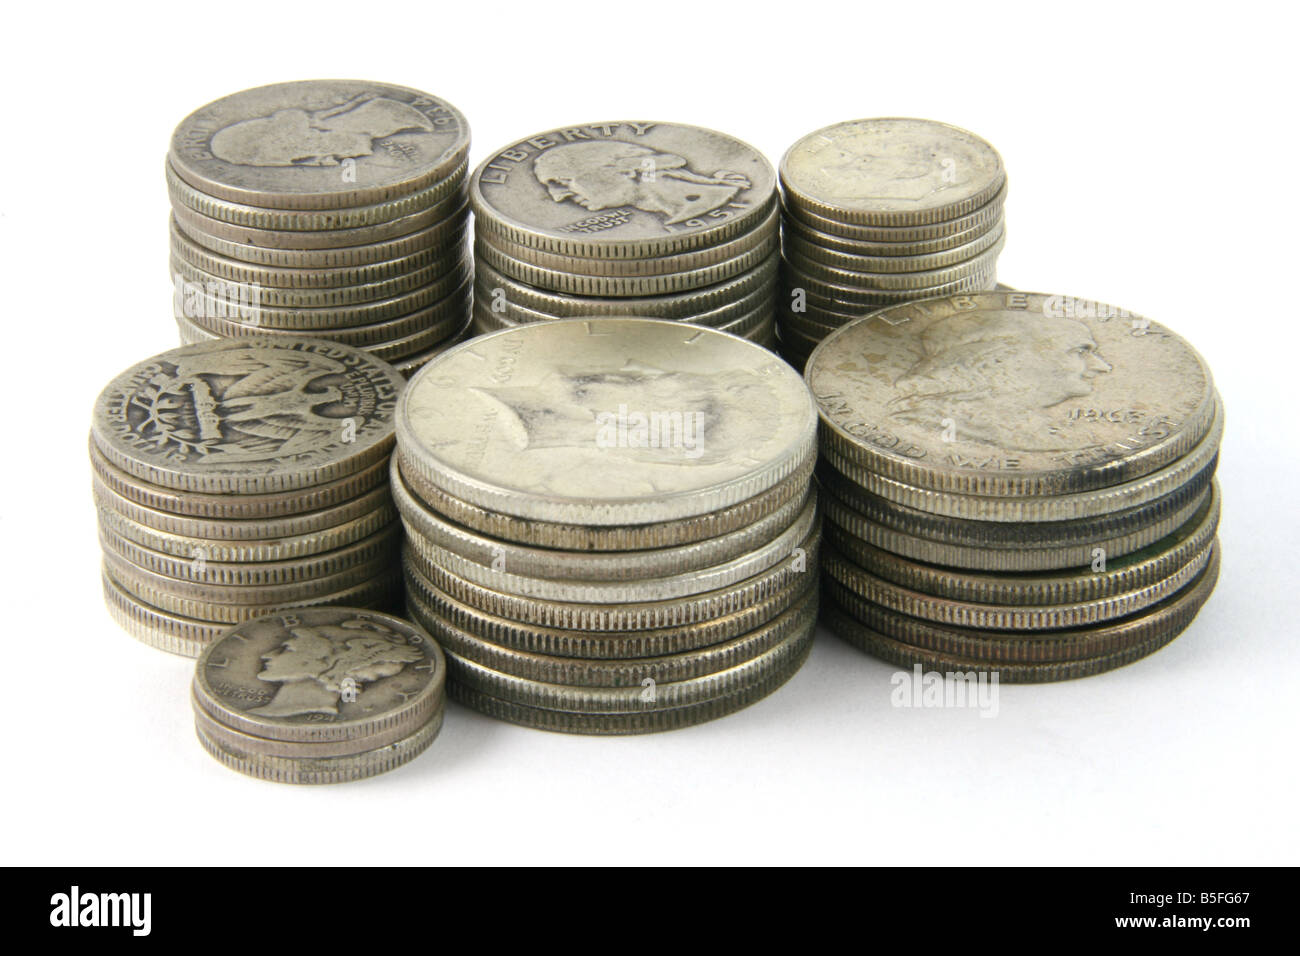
point(239, 476)
point(882, 211)
point(326, 208)
point(609, 522)
point(657, 220)
point(1015, 482)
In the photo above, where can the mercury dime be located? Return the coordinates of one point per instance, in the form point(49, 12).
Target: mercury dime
point(861, 275)
point(1010, 394)
point(319, 144)
point(985, 217)
point(534, 421)
point(891, 171)
point(319, 770)
point(283, 676)
point(256, 748)
point(623, 190)
point(810, 237)
point(248, 417)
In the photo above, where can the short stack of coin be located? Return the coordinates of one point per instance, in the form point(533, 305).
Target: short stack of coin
point(581, 578)
point(878, 212)
point(319, 695)
point(241, 476)
point(1015, 482)
point(329, 208)
point(653, 220)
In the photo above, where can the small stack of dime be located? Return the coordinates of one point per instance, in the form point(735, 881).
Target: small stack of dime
point(327, 208)
point(610, 523)
point(656, 220)
point(1015, 483)
point(319, 695)
point(240, 476)
point(882, 211)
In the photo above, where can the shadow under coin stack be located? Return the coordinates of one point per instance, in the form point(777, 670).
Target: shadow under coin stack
point(327, 208)
point(319, 695)
point(610, 523)
point(655, 220)
point(1015, 483)
point(236, 477)
point(882, 211)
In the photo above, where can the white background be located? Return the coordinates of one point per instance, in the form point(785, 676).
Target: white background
point(1153, 163)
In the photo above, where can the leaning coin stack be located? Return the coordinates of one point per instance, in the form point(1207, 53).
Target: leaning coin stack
point(610, 524)
point(329, 208)
point(655, 220)
point(882, 211)
point(319, 695)
point(1015, 482)
point(240, 476)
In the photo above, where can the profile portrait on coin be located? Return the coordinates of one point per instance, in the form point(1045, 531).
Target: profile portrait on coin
point(696, 414)
point(323, 137)
point(314, 664)
point(904, 171)
point(994, 375)
point(607, 174)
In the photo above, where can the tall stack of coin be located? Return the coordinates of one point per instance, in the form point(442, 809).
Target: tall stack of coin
point(319, 695)
point(328, 208)
point(655, 220)
point(882, 211)
point(610, 523)
point(240, 476)
point(1015, 482)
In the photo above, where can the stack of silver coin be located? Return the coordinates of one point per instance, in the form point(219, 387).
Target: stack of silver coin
point(1015, 482)
point(882, 211)
point(319, 695)
point(240, 476)
point(328, 208)
point(610, 523)
point(657, 220)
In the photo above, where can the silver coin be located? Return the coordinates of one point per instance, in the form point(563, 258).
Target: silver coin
point(811, 239)
point(1098, 396)
point(891, 171)
point(527, 422)
point(623, 190)
point(860, 272)
point(628, 286)
point(762, 235)
point(253, 416)
point(981, 218)
point(322, 675)
point(319, 144)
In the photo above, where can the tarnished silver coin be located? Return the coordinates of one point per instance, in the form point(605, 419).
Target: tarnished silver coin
point(553, 421)
point(1010, 394)
point(319, 144)
point(321, 675)
point(891, 171)
point(249, 416)
point(623, 190)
